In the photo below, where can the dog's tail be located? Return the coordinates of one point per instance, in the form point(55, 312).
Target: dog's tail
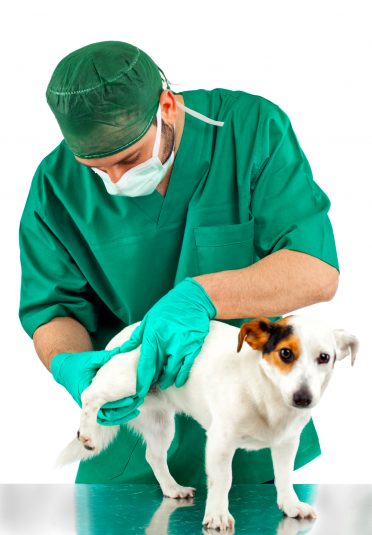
point(75, 450)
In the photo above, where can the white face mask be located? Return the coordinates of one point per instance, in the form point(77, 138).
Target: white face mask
point(143, 178)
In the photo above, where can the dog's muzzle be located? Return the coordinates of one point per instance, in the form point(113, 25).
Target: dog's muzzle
point(302, 398)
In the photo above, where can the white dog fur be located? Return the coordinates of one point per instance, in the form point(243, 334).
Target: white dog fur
point(244, 398)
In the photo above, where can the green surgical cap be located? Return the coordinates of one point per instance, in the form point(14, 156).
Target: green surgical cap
point(105, 97)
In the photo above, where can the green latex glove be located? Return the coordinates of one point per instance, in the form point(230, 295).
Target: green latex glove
point(75, 371)
point(172, 334)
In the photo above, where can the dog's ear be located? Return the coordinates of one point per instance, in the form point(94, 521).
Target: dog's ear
point(346, 343)
point(256, 333)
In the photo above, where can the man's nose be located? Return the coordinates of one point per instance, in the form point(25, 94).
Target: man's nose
point(115, 174)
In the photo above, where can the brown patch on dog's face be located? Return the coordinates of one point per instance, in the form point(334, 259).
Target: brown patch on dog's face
point(290, 353)
point(271, 337)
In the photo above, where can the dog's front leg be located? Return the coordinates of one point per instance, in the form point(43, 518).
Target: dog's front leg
point(219, 454)
point(283, 457)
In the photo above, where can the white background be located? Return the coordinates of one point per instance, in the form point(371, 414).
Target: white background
point(313, 59)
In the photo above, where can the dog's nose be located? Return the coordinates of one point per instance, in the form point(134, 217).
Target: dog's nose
point(302, 398)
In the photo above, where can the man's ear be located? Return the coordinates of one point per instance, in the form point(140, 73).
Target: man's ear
point(346, 343)
point(256, 333)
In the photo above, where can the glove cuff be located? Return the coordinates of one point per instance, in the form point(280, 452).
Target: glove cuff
point(56, 365)
point(207, 301)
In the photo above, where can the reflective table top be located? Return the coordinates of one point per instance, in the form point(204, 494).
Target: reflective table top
point(136, 509)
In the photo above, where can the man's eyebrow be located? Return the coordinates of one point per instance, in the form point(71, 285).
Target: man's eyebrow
point(123, 160)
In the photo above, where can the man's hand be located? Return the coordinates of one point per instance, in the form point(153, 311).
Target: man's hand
point(75, 371)
point(172, 334)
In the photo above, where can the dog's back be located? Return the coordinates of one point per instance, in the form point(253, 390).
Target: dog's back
point(215, 377)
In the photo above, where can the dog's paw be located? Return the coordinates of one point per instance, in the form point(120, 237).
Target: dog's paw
point(86, 440)
point(177, 491)
point(221, 520)
point(297, 509)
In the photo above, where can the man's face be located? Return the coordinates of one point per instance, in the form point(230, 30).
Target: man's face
point(117, 164)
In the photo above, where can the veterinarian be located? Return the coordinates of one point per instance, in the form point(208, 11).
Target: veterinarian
point(174, 209)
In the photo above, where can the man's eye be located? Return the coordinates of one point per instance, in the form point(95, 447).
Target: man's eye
point(129, 162)
point(286, 355)
point(132, 160)
point(323, 358)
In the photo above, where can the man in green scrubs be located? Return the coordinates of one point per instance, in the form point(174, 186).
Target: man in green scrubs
point(237, 211)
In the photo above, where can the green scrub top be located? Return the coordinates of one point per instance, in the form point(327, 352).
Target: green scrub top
point(237, 193)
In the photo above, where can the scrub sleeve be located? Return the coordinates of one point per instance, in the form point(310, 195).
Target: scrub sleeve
point(105, 260)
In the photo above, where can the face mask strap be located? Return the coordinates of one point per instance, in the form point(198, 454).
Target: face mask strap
point(199, 115)
point(155, 150)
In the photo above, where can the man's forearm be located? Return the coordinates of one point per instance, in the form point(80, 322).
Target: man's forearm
point(60, 335)
point(275, 285)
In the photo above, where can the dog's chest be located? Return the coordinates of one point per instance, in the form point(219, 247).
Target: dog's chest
point(262, 430)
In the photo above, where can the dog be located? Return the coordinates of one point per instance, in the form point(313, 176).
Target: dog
point(259, 395)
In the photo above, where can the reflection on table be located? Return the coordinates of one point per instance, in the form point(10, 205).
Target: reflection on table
point(141, 509)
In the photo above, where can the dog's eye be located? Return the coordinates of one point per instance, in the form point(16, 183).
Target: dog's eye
point(286, 355)
point(323, 358)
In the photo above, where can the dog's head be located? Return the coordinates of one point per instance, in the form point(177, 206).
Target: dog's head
point(298, 354)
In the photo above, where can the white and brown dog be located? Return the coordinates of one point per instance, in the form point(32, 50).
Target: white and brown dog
point(259, 395)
